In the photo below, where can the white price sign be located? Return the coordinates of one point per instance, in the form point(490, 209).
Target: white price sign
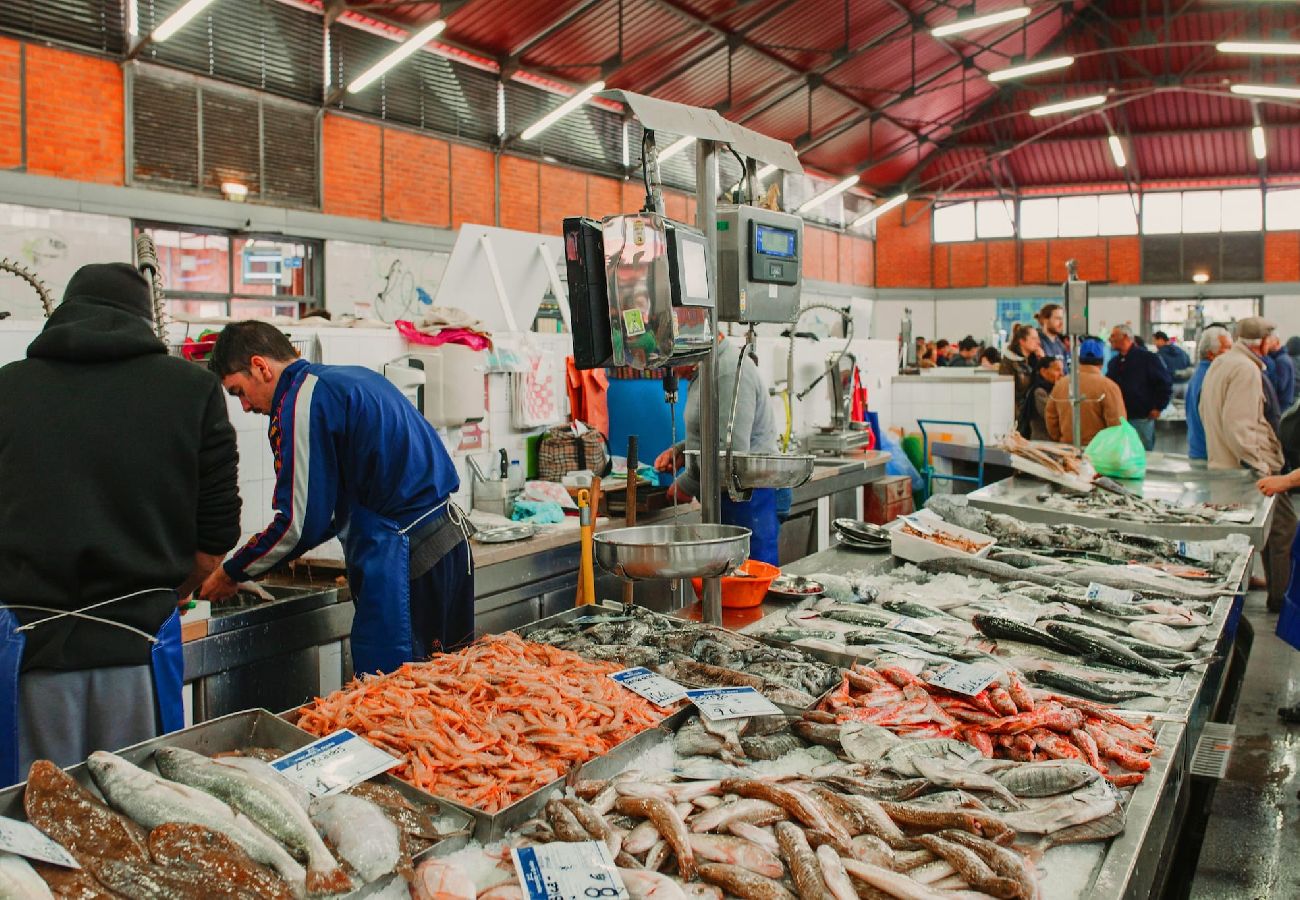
point(918, 524)
point(913, 626)
point(25, 839)
point(334, 763)
point(654, 687)
point(732, 703)
point(1108, 594)
point(962, 678)
point(564, 871)
point(1201, 551)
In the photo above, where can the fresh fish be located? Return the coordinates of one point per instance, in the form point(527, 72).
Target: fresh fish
point(1047, 778)
point(264, 801)
point(943, 773)
point(770, 746)
point(153, 801)
point(1155, 585)
point(1153, 651)
point(1162, 635)
point(761, 837)
point(1099, 829)
point(1002, 860)
point(692, 739)
point(404, 814)
point(1081, 687)
point(74, 818)
point(1094, 622)
point(736, 851)
point(915, 610)
point(996, 627)
point(991, 826)
point(743, 883)
point(263, 771)
point(902, 757)
point(1061, 812)
point(642, 884)
point(833, 874)
point(805, 871)
point(146, 881)
point(891, 884)
point(72, 884)
point(818, 733)
point(657, 855)
point(878, 823)
point(197, 847)
point(866, 743)
point(361, 833)
point(564, 824)
point(19, 881)
point(669, 825)
point(440, 879)
point(1091, 643)
point(748, 810)
point(594, 823)
point(791, 634)
point(728, 732)
point(858, 615)
point(696, 890)
point(997, 572)
point(799, 805)
point(972, 868)
point(641, 838)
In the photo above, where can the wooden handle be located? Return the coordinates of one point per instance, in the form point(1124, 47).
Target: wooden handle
point(630, 513)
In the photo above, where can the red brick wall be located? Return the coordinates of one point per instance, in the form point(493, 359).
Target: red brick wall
point(903, 252)
point(473, 187)
point(968, 265)
point(11, 104)
point(1126, 260)
point(1282, 256)
point(604, 196)
point(416, 179)
point(352, 156)
point(74, 114)
point(520, 193)
point(564, 193)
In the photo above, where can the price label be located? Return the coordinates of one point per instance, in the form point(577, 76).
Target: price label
point(1201, 551)
point(962, 678)
point(25, 839)
point(917, 524)
point(913, 626)
point(334, 763)
point(1108, 594)
point(732, 703)
point(563, 871)
point(654, 687)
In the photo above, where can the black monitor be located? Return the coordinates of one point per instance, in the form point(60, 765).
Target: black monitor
point(688, 266)
point(584, 258)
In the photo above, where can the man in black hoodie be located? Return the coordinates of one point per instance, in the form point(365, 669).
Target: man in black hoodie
point(117, 493)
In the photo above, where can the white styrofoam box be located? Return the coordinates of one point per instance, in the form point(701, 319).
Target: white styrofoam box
point(916, 549)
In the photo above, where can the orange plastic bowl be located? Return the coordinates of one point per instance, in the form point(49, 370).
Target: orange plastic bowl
point(743, 593)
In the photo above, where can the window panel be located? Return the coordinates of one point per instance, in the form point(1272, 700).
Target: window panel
point(1202, 212)
point(1116, 214)
point(1078, 216)
point(1242, 211)
point(1039, 218)
point(1162, 213)
point(954, 223)
point(1283, 210)
point(995, 219)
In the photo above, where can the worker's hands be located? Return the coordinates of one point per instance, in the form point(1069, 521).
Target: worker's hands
point(670, 460)
point(1154, 414)
point(218, 586)
point(675, 493)
point(1274, 484)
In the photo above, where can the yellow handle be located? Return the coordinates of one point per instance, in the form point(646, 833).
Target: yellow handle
point(586, 570)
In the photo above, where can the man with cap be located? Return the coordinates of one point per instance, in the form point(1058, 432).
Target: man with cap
point(1235, 410)
point(118, 495)
point(1144, 381)
point(1102, 403)
point(1214, 342)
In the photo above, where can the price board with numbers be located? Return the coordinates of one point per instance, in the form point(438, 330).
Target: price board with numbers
point(732, 703)
point(334, 763)
point(963, 678)
point(654, 687)
point(568, 871)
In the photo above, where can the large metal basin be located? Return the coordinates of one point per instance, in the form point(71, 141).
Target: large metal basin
point(766, 470)
point(656, 552)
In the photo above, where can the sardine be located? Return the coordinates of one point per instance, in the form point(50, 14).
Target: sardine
point(743, 883)
point(267, 803)
point(361, 833)
point(805, 871)
point(1094, 644)
point(749, 810)
point(973, 870)
point(833, 874)
point(19, 881)
point(736, 851)
point(1047, 778)
point(1081, 687)
point(153, 801)
point(197, 847)
point(669, 825)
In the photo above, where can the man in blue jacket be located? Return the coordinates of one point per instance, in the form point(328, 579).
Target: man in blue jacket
point(1214, 342)
point(1173, 356)
point(354, 457)
point(1143, 380)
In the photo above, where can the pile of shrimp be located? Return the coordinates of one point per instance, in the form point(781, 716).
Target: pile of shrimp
point(487, 726)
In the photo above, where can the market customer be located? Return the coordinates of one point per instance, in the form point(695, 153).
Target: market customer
point(1020, 358)
point(354, 457)
point(1144, 381)
point(1238, 434)
point(1051, 333)
point(1102, 402)
point(1214, 342)
point(1281, 371)
point(990, 359)
point(1173, 356)
point(118, 493)
point(967, 354)
point(1031, 419)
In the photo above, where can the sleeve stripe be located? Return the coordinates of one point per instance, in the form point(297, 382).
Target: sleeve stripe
point(300, 470)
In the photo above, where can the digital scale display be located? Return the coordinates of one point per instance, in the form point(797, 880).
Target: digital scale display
point(771, 241)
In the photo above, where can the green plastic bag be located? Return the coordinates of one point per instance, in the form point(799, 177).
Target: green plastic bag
point(1117, 452)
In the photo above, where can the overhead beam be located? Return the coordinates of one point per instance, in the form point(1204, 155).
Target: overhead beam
point(511, 61)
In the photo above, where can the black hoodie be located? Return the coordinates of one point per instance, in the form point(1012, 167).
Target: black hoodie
point(117, 464)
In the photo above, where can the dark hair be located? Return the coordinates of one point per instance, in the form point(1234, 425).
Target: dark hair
point(317, 312)
point(941, 344)
point(1044, 362)
point(1160, 336)
point(968, 343)
point(991, 354)
point(239, 342)
point(1019, 332)
point(1046, 312)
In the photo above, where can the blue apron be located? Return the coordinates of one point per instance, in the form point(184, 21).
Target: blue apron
point(1288, 622)
point(758, 514)
point(167, 664)
point(378, 554)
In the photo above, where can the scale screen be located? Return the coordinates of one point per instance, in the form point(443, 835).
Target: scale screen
point(695, 270)
point(771, 241)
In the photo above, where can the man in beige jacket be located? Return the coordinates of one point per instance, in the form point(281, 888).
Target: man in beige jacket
point(1238, 435)
point(1102, 403)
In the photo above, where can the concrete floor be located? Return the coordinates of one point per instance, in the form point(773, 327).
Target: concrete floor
point(1252, 841)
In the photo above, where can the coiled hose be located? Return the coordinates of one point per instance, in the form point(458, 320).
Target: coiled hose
point(27, 275)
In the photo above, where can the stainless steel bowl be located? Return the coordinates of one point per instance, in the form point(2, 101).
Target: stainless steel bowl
point(766, 470)
point(656, 552)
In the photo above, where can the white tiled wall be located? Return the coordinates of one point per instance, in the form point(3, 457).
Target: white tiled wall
point(988, 402)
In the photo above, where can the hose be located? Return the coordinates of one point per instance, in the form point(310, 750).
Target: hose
point(27, 275)
point(847, 318)
point(146, 260)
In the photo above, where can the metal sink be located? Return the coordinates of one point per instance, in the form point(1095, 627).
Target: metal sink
point(247, 609)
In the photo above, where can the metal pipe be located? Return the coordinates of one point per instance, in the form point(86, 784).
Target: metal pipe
point(706, 208)
point(1076, 401)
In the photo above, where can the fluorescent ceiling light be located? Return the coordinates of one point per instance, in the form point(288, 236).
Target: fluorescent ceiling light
point(977, 22)
point(1267, 90)
point(1033, 68)
point(409, 46)
point(1052, 109)
point(1117, 151)
point(561, 111)
point(1284, 48)
point(1200, 277)
point(676, 147)
point(1257, 140)
point(873, 214)
point(833, 191)
point(179, 19)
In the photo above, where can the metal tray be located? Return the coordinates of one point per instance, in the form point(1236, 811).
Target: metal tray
point(261, 728)
point(656, 552)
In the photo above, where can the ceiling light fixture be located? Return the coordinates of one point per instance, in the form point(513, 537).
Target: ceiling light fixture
point(1065, 106)
point(1281, 48)
point(561, 111)
point(975, 23)
point(178, 20)
point(1200, 277)
point(1281, 91)
point(408, 47)
point(1033, 68)
point(834, 190)
point(872, 214)
point(1117, 151)
point(676, 147)
point(1258, 142)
